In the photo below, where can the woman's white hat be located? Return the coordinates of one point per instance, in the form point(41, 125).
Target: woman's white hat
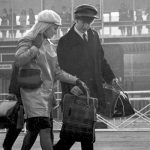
point(49, 16)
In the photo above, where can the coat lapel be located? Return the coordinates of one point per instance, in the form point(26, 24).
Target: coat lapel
point(74, 38)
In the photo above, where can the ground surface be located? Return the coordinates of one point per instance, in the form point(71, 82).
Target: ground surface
point(105, 140)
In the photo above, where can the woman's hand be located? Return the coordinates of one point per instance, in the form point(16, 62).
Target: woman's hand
point(38, 40)
point(34, 52)
point(82, 86)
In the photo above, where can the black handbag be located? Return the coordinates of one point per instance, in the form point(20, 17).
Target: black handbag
point(117, 103)
point(79, 117)
point(29, 77)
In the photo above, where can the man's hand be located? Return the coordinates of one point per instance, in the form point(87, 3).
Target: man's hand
point(115, 82)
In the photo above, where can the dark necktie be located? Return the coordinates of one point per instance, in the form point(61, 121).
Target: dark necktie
point(84, 37)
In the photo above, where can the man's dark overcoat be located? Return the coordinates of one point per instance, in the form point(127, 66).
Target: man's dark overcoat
point(86, 61)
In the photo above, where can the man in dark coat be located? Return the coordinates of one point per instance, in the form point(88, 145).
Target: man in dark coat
point(84, 58)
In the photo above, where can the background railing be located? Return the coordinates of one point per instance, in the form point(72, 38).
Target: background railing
point(140, 100)
point(110, 29)
point(116, 17)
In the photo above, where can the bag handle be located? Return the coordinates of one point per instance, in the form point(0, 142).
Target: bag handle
point(116, 88)
point(112, 87)
point(88, 96)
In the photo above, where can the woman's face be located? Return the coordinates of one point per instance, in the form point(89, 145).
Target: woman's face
point(51, 31)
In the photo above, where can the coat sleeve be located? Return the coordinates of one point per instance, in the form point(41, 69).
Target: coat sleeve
point(107, 72)
point(56, 71)
point(25, 52)
point(64, 76)
point(61, 57)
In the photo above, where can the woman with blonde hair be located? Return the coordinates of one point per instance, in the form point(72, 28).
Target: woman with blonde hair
point(35, 50)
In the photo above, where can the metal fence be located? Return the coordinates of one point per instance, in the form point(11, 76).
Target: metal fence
point(140, 101)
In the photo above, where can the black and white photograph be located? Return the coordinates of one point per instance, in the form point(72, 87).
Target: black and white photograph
point(74, 74)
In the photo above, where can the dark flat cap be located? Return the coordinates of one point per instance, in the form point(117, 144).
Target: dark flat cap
point(86, 11)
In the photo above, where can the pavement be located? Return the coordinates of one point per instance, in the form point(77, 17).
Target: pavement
point(105, 140)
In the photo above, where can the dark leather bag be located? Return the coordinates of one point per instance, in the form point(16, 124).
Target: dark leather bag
point(79, 117)
point(117, 103)
point(7, 108)
point(29, 77)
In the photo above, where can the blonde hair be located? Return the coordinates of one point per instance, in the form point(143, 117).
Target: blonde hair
point(39, 27)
